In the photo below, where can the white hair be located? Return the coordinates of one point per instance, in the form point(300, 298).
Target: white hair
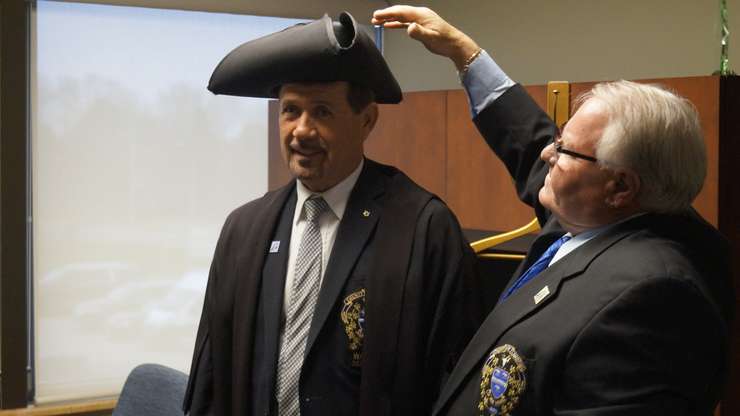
point(657, 134)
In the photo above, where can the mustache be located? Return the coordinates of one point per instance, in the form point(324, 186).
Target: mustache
point(310, 145)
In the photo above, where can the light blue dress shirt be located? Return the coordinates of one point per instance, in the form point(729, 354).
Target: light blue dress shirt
point(484, 82)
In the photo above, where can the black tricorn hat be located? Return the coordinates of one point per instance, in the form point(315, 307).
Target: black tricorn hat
point(320, 51)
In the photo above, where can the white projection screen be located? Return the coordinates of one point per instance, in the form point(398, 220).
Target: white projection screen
point(135, 167)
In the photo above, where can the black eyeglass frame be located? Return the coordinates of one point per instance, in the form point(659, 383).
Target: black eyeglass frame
point(559, 148)
point(558, 141)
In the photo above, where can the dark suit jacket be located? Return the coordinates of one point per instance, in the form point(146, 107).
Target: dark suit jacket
point(634, 322)
point(397, 242)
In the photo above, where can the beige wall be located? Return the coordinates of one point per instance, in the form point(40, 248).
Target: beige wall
point(360, 9)
point(536, 40)
point(576, 40)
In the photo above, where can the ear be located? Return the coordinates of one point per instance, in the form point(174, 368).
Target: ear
point(369, 117)
point(623, 189)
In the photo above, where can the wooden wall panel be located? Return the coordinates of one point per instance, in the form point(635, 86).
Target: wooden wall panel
point(479, 189)
point(411, 136)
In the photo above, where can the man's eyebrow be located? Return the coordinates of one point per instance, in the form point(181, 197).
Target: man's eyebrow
point(321, 101)
point(318, 101)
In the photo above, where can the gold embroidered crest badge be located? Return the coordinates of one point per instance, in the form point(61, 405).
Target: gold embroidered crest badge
point(353, 317)
point(503, 380)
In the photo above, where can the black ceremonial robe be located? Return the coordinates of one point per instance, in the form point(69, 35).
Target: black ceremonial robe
point(399, 257)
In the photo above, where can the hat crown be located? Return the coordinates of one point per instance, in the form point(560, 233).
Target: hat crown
point(318, 51)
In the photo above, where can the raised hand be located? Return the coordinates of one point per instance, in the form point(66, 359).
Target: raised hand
point(426, 26)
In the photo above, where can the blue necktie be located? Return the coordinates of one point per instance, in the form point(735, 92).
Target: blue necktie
point(538, 266)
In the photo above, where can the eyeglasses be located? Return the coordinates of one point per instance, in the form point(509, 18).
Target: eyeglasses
point(559, 142)
point(559, 149)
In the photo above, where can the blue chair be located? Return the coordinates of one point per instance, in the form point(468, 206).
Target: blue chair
point(152, 390)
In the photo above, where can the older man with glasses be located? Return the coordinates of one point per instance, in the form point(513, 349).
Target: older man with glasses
point(623, 304)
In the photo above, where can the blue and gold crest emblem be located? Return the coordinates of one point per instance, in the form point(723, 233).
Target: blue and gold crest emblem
point(353, 317)
point(503, 380)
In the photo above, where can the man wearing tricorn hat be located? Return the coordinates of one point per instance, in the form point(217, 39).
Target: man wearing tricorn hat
point(348, 291)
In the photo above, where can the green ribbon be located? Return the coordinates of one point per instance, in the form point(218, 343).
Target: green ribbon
point(724, 63)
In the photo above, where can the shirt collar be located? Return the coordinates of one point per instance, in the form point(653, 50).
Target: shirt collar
point(336, 196)
point(589, 234)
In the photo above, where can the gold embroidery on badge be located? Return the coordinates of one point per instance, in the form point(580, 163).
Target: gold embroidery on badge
point(503, 380)
point(353, 317)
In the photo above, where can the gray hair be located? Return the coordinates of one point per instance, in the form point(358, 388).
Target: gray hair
point(657, 134)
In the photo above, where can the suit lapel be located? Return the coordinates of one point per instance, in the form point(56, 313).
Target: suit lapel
point(273, 286)
point(526, 301)
point(256, 245)
point(358, 222)
point(273, 276)
point(249, 272)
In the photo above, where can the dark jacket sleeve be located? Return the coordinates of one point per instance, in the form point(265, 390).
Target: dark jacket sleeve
point(517, 130)
point(641, 335)
point(199, 396)
point(457, 310)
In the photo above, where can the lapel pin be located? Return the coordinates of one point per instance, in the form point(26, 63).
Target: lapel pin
point(365, 213)
point(541, 295)
point(275, 246)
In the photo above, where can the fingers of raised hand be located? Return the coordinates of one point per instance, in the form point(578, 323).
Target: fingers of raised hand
point(400, 15)
point(392, 25)
point(419, 32)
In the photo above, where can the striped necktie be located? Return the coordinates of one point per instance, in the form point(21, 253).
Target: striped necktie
point(538, 266)
point(303, 298)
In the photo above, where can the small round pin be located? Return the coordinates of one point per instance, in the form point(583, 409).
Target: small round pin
point(365, 213)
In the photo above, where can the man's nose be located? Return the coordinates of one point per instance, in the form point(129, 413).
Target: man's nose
point(304, 127)
point(549, 155)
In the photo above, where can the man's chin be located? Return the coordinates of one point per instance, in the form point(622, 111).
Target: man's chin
point(303, 175)
point(303, 169)
point(310, 179)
